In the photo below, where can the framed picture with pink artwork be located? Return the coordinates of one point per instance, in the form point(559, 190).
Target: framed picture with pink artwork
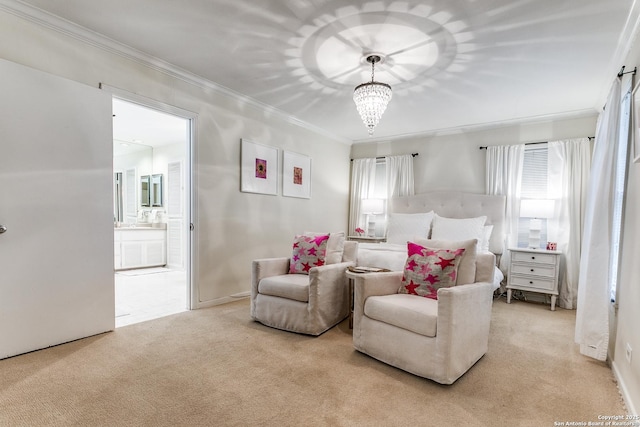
point(259, 168)
point(296, 175)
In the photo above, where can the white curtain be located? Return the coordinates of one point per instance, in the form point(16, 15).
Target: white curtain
point(592, 315)
point(569, 163)
point(363, 176)
point(503, 176)
point(399, 175)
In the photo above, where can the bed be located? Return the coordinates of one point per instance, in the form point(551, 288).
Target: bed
point(436, 214)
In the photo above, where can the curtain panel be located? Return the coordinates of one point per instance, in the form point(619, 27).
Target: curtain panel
point(569, 164)
point(363, 177)
point(503, 177)
point(592, 315)
point(400, 180)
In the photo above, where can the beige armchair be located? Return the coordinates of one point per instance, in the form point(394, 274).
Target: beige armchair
point(307, 304)
point(436, 339)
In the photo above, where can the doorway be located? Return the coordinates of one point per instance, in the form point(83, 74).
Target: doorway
point(151, 199)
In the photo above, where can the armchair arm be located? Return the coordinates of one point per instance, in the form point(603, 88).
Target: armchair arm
point(266, 267)
point(328, 287)
point(372, 284)
point(464, 317)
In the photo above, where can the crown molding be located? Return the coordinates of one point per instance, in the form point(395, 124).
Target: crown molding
point(95, 39)
point(577, 114)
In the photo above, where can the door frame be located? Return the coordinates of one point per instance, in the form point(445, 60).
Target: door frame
point(190, 164)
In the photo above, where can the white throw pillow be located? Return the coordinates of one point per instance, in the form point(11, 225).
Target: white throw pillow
point(402, 228)
point(458, 229)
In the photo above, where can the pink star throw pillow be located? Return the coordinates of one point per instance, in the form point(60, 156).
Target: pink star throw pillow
point(308, 252)
point(428, 270)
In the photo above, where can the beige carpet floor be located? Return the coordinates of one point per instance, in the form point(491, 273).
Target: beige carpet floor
point(215, 367)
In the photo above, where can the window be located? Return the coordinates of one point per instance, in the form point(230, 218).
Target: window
point(533, 186)
point(378, 191)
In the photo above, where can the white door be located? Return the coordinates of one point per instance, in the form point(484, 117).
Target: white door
point(175, 213)
point(56, 255)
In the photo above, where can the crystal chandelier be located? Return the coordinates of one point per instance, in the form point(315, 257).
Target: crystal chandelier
point(372, 98)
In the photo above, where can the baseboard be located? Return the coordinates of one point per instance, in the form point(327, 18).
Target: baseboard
point(631, 410)
point(223, 300)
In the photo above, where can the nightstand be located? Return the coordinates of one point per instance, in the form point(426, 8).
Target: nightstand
point(534, 270)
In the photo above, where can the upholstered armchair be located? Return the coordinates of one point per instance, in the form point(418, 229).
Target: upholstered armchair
point(305, 303)
point(438, 339)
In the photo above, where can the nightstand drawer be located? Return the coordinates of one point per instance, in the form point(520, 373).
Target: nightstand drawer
point(533, 282)
point(535, 258)
point(534, 270)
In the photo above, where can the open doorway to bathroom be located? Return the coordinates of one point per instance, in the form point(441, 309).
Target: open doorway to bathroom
point(151, 200)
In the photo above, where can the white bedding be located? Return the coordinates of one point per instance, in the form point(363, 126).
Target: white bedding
point(393, 257)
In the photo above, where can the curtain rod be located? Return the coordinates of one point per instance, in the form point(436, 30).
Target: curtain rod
point(484, 147)
point(622, 72)
point(380, 158)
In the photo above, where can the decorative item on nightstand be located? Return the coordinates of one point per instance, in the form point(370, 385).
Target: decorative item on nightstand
point(534, 270)
point(536, 209)
point(371, 207)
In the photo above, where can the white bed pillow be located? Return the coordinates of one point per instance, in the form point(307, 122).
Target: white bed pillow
point(458, 228)
point(483, 245)
point(402, 228)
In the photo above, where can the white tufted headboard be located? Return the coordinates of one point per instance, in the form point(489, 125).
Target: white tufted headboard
point(456, 204)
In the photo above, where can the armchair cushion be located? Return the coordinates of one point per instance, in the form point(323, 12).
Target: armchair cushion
point(419, 315)
point(428, 270)
point(308, 252)
point(291, 286)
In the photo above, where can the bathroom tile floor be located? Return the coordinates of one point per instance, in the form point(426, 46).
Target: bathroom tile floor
point(149, 293)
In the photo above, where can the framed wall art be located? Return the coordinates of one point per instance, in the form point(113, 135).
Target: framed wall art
point(258, 168)
point(296, 175)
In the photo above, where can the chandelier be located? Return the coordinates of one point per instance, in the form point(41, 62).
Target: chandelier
point(372, 98)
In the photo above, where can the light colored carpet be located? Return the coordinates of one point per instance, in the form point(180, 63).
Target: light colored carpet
point(215, 367)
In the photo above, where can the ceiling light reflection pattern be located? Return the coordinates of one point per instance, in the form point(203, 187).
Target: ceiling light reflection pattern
point(418, 42)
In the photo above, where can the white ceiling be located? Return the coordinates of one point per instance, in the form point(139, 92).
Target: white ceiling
point(451, 63)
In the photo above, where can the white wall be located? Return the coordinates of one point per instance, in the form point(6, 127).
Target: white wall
point(231, 228)
point(455, 162)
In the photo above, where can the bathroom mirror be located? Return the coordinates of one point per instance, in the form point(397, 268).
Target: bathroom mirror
point(156, 190)
point(145, 193)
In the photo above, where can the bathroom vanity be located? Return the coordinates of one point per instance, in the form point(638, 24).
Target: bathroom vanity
point(140, 246)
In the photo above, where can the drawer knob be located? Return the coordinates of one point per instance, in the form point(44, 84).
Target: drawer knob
point(530, 282)
point(532, 270)
point(533, 257)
